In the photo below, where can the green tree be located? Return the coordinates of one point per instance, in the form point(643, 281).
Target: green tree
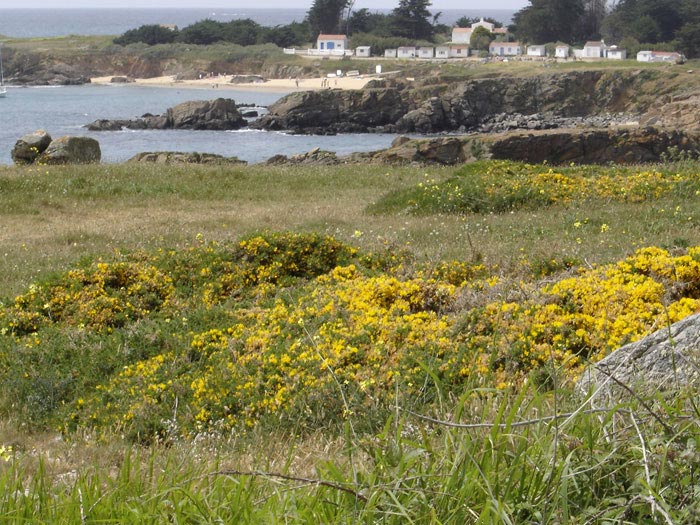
point(590, 24)
point(688, 38)
point(466, 21)
point(549, 21)
point(204, 32)
point(481, 39)
point(411, 19)
point(148, 34)
point(325, 16)
point(242, 32)
point(650, 21)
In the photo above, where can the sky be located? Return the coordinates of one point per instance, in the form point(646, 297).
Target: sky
point(370, 4)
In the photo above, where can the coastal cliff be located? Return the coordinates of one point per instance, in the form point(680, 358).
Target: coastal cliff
point(472, 105)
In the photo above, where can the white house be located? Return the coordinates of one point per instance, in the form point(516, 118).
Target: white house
point(536, 51)
point(486, 25)
point(331, 44)
point(615, 53)
point(442, 52)
point(503, 49)
point(660, 56)
point(406, 52)
point(426, 52)
point(363, 51)
point(561, 51)
point(390, 53)
point(594, 49)
point(459, 50)
point(461, 35)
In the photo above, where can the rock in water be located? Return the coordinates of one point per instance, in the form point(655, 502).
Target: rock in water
point(72, 150)
point(666, 359)
point(30, 146)
point(219, 114)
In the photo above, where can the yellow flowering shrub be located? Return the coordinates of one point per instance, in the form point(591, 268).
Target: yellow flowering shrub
point(288, 328)
point(497, 187)
point(104, 295)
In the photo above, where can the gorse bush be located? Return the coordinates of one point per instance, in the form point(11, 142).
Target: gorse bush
point(498, 187)
point(301, 330)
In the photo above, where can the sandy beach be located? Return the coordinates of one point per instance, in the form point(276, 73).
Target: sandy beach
point(271, 85)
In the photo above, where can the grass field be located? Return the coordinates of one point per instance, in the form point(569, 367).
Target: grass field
point(353, 344)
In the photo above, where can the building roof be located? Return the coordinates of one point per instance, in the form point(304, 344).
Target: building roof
point(332, 37)
point(562, 46)
point(664, 53)
point(461, 29)
point(500, 31)
point(594, 44)
point(505, 44)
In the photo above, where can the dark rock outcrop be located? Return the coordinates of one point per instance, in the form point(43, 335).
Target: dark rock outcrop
point(314, 157)
point(554, 146)
point(666, 359)
point(459, 106)
point(247, 79)
point(121, 80)
point(55, 75)
point(334, 111)
point(28, 148)
point(71, 150)
point(619, 146)
point(219, 114)
point(178, 157)
point(444, 150)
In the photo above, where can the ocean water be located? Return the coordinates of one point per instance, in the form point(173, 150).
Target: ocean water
point(25, 23)
point(66, 110)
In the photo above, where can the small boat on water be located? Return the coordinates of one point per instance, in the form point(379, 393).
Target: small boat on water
point(3, 89)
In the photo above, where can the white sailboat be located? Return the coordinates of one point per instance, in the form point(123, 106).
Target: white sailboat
point(3, 89)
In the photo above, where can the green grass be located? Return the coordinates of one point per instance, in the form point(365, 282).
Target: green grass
point(508, 462)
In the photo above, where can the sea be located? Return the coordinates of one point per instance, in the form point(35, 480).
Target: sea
point(66, 110)
point(30, 23)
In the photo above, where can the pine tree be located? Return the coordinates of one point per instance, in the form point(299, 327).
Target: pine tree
point(411, 19)
point(325, 16)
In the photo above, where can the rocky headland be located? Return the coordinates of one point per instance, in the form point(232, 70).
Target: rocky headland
point(594, 98)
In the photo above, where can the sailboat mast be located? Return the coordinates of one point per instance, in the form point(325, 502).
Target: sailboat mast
point(3, 89)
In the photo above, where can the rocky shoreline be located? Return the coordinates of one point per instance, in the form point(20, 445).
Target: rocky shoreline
point(587, 116)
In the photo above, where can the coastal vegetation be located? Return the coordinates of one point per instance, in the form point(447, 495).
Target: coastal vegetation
point(630, 24)
point(342, 344)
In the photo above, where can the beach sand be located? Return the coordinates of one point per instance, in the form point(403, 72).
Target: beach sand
point(277, 85)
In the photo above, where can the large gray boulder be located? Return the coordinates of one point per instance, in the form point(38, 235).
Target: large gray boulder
point(72, 150)
point(219, 114)
point(666, 359)
point(28, 148)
